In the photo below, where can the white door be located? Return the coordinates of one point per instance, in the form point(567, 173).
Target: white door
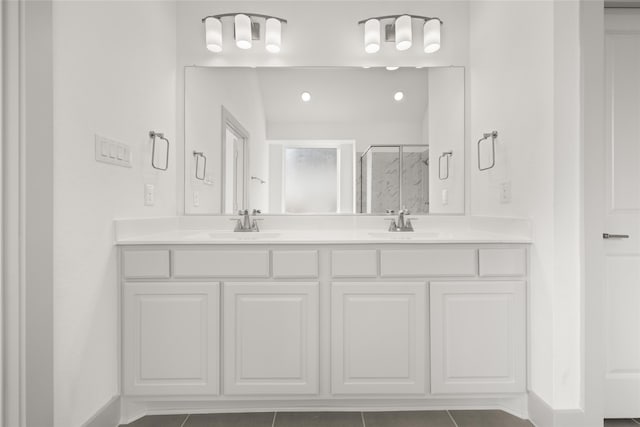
point(378, 338)
point(622, 215)
point(171, 338)
point(271, 338)
point(478, 335)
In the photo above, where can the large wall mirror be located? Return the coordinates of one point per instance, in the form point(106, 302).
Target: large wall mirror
point(291, 140)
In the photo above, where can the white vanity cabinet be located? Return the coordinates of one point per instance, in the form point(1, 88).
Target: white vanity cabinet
point(478, 339)
point(378, 337)
point(324, 323)
point(171, 338)
point(270, 338)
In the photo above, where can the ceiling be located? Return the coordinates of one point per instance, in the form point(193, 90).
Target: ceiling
point(339, 95)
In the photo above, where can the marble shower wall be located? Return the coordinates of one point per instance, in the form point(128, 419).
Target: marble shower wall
point(385, 183)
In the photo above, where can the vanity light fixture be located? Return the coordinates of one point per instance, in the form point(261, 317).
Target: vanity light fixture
point(398, 96)
point(398, 29)
point(246, 28)
point(305, 96)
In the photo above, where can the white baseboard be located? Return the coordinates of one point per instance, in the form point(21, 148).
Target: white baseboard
point(541, 414)
point(137, 407)
point(108, 416)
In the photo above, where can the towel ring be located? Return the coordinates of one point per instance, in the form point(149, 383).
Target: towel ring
point(200, 155)
point(153, 135)
point(485, 136)
point(446, 155)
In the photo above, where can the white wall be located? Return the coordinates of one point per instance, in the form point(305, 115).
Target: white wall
point(524, 83)
point(446, 134)
point(114, 74)
point(207, 92)
point(365, 134)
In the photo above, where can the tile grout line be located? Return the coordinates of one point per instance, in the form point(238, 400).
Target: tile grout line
point(362, 417)
point(452, 419)
point(273, 422)
point(185, 420)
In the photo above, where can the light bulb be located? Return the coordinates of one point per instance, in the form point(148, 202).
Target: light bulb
point(243, 31)
point(432, 36)
point(306, 96)
point(403, 32)
point(273, 35)
point(372, 36)
point(213, 34)
point(398, 96)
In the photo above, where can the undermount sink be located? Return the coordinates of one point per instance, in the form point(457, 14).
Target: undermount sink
point(404, 235)
point(232, 235)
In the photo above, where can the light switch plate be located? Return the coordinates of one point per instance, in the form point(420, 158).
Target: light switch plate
point(445, 197)
point(112, 152)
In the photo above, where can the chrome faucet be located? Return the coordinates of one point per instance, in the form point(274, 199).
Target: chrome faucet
point(401, 223)
point(245, 224)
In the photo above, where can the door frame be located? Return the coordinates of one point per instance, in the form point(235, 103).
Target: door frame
point(229, 120)
point(593, 198)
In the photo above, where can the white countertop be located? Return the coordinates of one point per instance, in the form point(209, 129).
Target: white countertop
point(434, 230)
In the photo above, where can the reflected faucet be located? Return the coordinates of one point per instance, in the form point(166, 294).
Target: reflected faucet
point(401, 224)
point(245, 224)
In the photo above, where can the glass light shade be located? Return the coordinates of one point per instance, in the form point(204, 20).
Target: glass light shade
point(243, 31)
point(431, 36)
point(404, 36)
point(273, 35)
point(398, 96)
point(213, 34)
point(372, 36)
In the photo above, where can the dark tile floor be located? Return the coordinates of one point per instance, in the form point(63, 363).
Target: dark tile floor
point(339, 419)
point(350, 419)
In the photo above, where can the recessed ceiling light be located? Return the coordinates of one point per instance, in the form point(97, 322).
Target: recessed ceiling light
point(392, 68)
point(366, 66)
point(398, 96)
point(305, 96)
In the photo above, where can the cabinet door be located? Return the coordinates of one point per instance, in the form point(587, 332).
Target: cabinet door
point(171, 338)
point(478, 337)
point(378, 338)
point(270, 338)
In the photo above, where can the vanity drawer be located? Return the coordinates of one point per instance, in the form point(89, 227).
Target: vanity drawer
point(295, 264)
point(146, 264)
point(428, 262)
point(503, 262)
point(220, 263)
point(354, 263)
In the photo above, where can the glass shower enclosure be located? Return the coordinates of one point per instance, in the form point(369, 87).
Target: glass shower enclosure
point(393, 177)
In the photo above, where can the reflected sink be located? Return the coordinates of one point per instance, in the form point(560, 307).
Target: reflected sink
point(232, 235)
point(404, 235)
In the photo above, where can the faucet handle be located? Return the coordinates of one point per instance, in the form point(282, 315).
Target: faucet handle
point(256, 212)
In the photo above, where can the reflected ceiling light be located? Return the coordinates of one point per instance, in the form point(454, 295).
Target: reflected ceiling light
point(372, 36)
point(246, 29)
point(432, 36)
point(392, 68)
point(398, 29)
point(398, 96)
point(305, 96)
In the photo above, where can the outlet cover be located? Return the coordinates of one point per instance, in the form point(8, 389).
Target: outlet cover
point(505, 192)
point(149, 195)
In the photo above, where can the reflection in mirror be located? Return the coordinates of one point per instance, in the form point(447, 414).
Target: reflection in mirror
point(352, 145)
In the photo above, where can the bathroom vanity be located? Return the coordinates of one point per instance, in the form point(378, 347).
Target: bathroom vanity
point(216, 320)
